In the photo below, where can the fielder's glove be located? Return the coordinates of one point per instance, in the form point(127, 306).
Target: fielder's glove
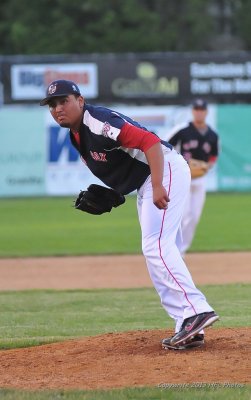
point(198, 168)
point(98, 199)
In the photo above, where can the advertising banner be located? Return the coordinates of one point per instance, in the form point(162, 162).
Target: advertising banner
point(145, 79)
point(133, 78)
point(37, 158)
point(176, 78)
point(29, 81)
point(22, 151)
point(66, 173)
point(222, 78)
point(234, 124)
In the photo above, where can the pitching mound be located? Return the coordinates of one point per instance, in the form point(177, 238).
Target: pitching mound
point(118, 360)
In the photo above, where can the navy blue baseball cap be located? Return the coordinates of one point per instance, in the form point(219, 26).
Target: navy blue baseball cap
point(199, 104)
point(59, 88)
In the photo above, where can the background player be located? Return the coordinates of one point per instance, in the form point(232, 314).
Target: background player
point(127, 157)
point(195, 141)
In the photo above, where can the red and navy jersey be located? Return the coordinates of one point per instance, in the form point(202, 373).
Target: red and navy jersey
point(193, 144)
point(106, 144)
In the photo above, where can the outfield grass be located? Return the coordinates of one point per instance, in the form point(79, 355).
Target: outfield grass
point(220, 392)
point(225, 224)
point(51, 226)
point(42, 316)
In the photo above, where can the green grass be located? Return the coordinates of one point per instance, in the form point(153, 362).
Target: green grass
point(51, 226)
point(225, 224)
point(43, 316)
point(238, 391)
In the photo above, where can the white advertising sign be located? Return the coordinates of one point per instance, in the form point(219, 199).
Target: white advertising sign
point(29, 81)
point(220, 78)
point(66, 174)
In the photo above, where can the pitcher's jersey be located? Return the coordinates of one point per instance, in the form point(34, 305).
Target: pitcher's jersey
point(193, 144)
point(123, 169)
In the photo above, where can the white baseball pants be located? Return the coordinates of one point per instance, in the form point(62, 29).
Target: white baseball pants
point(193, 209)
point(160, 235)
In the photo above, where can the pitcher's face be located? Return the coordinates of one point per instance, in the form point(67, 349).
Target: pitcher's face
point(67, 111)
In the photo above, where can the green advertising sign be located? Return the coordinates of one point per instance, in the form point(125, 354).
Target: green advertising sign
point(234, 164)
point(22, 151)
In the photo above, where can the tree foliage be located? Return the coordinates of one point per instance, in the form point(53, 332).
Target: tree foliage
point(89, 26)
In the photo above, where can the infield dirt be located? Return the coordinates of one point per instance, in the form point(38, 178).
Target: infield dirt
point(124, 359)
point(120, 271)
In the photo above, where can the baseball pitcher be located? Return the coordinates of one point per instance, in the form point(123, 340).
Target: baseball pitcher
point(127, 157)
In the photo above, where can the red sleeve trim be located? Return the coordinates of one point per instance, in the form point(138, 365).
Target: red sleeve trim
point(133, 137)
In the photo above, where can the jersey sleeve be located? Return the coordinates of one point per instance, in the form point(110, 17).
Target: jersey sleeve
point(119, 128)
point(136, 138)
point(104, 122)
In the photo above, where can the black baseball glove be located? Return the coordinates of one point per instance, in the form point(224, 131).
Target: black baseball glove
point(98, 199)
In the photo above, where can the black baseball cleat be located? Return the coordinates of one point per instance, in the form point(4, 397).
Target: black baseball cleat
point(191, 326)
point(196, 341)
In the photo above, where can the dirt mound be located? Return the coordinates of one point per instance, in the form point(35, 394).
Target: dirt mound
point(126, 359)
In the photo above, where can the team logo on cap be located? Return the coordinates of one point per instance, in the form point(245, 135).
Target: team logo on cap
point(74, 88)
point(52, 89)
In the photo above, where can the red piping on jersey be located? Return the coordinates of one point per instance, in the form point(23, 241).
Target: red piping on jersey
point(168, 270)
point(76, 137)
point(212, 159)
point(133, 137)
